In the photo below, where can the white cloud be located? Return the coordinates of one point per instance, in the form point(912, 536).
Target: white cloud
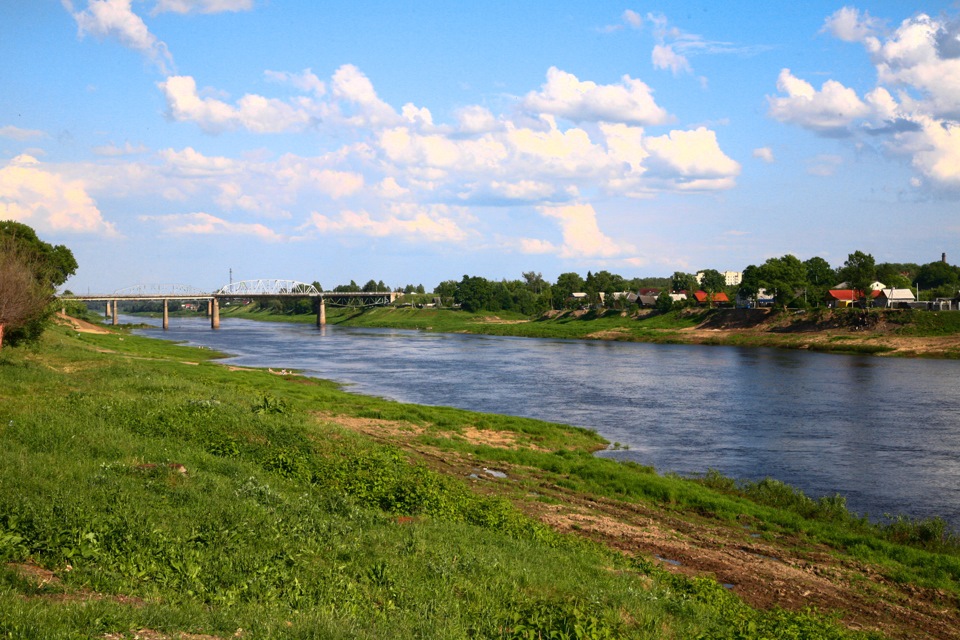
point(829, 111)
point(16, 133)
point(764, 153)
point(112, 150)
point(632, 19)
point(188, 224)
point(664, 57)
point(566, 96)
point(849, 25)
point(410, 222)
point(537, 247)
point(116, 19)
point(305, 80)
point(692, 155)
point(365, 108)
point(582, 237)
point(252, 112)
point(913, 109)
point(32, 194)
point(202, 6)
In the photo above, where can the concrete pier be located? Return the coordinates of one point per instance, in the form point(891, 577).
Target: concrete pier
point(115, 313)
point(215, 313)
point(322, 314)
point(106, 314)
point(166, 315)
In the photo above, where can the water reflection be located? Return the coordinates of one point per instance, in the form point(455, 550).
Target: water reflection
point(884, 432)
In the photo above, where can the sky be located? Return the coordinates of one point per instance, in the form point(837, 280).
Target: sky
point(195, 141)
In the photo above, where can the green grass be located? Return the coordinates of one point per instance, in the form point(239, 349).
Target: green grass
point(188, 497)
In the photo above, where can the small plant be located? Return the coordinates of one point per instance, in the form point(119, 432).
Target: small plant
point(269, 404)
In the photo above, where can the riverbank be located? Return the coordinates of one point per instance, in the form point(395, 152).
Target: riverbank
point(894, 332)
point(144, 486)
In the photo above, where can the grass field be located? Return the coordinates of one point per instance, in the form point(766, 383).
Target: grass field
point(143, 486)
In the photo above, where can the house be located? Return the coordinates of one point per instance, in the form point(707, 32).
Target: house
point(874, 286)
point(678, 297)
point(837, 298)
point(647, 300)
point(894, 298)
point(648, 292)
point(703, 297)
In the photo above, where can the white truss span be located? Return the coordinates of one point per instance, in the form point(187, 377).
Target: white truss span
point(160, 290)
point(268, 287)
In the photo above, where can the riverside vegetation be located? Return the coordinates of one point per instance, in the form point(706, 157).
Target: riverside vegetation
point(146, 491)
point(888, 332)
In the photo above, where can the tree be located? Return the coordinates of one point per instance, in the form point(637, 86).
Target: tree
point(939, 278)
point(52, 264)
point(474, 293)
point(712, 281)
point(859, 271)
point(534, 282)
point(782, 276)
point(24, 296)
point(567, 283)
point(664, 302)
point(820, 278)
point(683, 282)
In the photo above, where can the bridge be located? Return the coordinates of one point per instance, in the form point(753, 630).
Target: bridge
point(245, 289)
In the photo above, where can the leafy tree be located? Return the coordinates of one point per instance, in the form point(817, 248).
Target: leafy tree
point(664, 302)
point(820, 278)
point(898, 275)
point(446, 290)
point(24, 298)
point(939, 278)
point(712, 281)
point(474, 293)
point(567, 283)
point(859, 270)
point(534, 281)
point(783, 277)
point(52, 264)
point(371, 286)
point(684, 282)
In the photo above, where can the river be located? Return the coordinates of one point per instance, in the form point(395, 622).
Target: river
point(883, 432)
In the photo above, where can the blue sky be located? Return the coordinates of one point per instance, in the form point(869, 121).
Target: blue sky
point(169, 141)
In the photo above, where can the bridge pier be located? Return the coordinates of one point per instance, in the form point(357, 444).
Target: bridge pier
point(166, 315)
point(322, 314)
point(215, 313)
point(106, 314)
point(115, 303)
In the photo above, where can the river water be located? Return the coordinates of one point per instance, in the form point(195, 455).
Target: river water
point(883, 432)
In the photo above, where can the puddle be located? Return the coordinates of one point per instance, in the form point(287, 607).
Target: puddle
point(675, 563)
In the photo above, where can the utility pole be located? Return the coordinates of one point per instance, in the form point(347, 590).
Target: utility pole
point(231, 275)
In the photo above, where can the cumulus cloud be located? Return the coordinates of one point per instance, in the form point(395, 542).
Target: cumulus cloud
point(695, 157)
point(205, 224)
point(566, 96)
point(410, 222)
point(115, 19)
point(829, 111)
point(252, 112)
point(32, 194)
point(764, 153)
point(202, 6)
point(849, 25)
point(16, 133)
point(913, 109)
point(582, 237)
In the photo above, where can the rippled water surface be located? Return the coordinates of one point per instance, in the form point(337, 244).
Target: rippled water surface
point(883, 432)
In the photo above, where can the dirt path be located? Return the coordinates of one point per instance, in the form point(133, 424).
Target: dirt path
point(80, 325)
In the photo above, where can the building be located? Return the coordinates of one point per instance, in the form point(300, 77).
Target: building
point(894, 298)
point(730, 278)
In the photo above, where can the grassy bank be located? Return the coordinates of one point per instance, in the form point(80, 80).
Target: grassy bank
point(910, 333)
point(144, 486)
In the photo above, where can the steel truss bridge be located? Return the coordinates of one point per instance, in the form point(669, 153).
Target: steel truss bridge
point(261, 288)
